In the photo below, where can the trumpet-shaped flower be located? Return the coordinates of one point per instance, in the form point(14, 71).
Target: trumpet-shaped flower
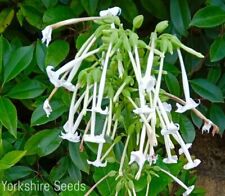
point(47, 108)
point(110, 12)
point(206, 127)
point(72, 137)
point(190, 103)
point(47, 35)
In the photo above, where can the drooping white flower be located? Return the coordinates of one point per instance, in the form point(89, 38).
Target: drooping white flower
point(178, 181)
point(190, 103)
point(143, 110)
point(47, 108)
point(206, 127)
point(188, 145)
point(110, 12)
point(72, 137)
point(170, 158)
point(47, 35)
point(167, 106)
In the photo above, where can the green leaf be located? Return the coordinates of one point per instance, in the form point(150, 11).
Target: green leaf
point(19, 60)
point(17, 172)
point(11, 158)
point(43, 142)
point(180, 15)
point(59, 170)
point(214, 74)
point(8, 115)
point(172, 84)
point(90, 6)
point(40, 52)
point(27, 89)
point(6, 16)
point(207, 90)
point(107, 187)
point(78, 158)
point(59, 47)
point(74, 172)
point(156, 8)
point(49, 3)
point(217, 51)
point(217, 115)
point(210, 16)
point(222, 83)
point(57, 13)
point(32, 15)
point(39, 116)
point(187, 129)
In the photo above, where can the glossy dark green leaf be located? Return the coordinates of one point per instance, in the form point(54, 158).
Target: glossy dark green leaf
point(39, 116)
point(77, 7)
point(43, 142)
point(59, 170)
point(33, 15)
point(18, 172)
point(57, 13)
point(19, 60)
point(78, 158)
point(172, 84)
point(217, 115)
point(27, 89)
point(217, 51)
point(49, 3)
point(210, 16)
point(214, 74)
point(56, 52)
point(180, 15)
point(196, 120)
point(156, 8)
point(40, 52)
point(11, 158)
point(109, 184)
point(74, 172)
point(6, 16)
point(221, 83)
point(90, 6)
point(207, 90)
point(8, 115)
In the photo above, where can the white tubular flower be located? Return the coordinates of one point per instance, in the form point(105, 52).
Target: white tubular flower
point(143, 110)
point(170, 158)
point(110, 12)
point(178, 181)
point(47, 35)
point(206, 127)
point(171, 128)
point(98, 162)
point(152, 158)
point(148, 83)
point(167, 107)
point(190, 103)
point(72, 137)
point(47, 108)
point(188, 145)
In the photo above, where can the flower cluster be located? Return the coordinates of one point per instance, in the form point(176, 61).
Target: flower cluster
point(126, 76)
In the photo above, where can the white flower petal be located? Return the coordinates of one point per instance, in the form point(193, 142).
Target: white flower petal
point(93, 138)
point(191, 165)
point(47, 35)
point(72, 137)
point(170, 160)
point(167, 106)
point(97, 163)
point(148, 83)
point(206, 127)
point(143, 110)
point(53, 76)
point(190, 103)
point(110, 12)
point(188, 145)
point(189, 190)
point(47, 107)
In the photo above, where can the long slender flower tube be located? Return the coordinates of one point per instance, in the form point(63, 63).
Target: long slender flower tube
point(178, 181)
point(172, 129)
point(54, 75)
point(190, 103)
point(92, 137)
point(109, 126)
point(148, 81)
point(170, 158)
point(98, 162)
point(139, 156)
point(72, 134)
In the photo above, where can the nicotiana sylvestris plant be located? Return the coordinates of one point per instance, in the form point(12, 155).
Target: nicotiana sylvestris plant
point(126, 75)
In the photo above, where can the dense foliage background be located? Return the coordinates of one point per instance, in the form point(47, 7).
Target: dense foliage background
point(30, 140)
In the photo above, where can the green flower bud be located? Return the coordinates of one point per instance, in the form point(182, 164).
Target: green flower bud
point(137, 21)
point(160, 27)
